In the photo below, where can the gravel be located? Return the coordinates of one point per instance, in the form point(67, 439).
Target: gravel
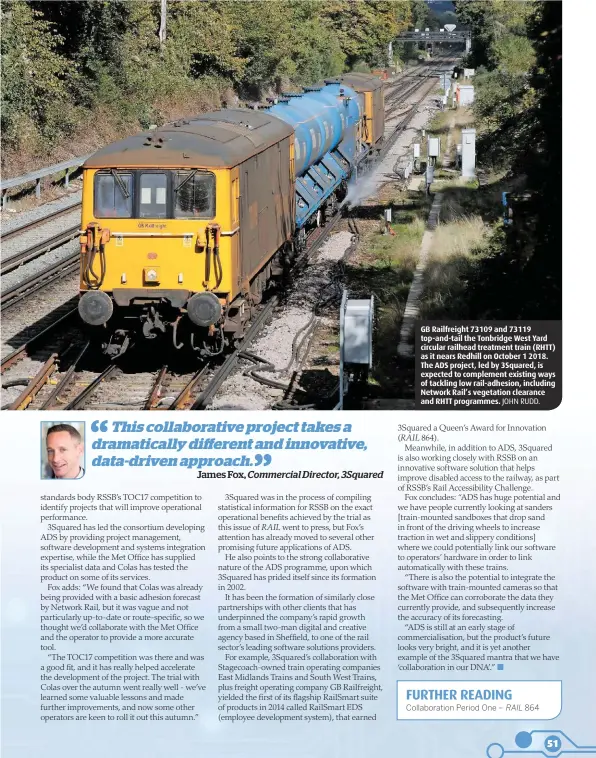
point(31, 315)
point(10, 221)
point(37, 265)
point(40, 234)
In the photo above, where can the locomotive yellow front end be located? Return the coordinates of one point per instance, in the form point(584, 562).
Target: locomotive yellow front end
point(156, 240)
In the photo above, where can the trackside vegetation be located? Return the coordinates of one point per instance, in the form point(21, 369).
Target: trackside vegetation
point(517, 53)
point(79, 74)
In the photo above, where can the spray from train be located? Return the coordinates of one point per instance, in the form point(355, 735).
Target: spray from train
point(360, 190)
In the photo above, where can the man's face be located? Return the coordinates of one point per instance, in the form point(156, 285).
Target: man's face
point(63, 455)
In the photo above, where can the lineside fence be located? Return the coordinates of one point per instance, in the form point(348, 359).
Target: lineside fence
point(68, 168)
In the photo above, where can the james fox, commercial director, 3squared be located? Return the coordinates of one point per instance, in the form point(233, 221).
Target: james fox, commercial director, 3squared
point(64, 446)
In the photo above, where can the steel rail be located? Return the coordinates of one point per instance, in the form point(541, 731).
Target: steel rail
point(230, 362)
point(11, 233)
point(12, 295)
point(154, 395)
point(23, 349)
point(184, 397)
point(51, 401)
point(35, 251)
point(78, 402)
point(30, 392)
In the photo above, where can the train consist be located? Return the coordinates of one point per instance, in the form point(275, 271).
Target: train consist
point(184, 227)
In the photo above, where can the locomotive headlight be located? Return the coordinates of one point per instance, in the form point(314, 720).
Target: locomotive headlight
point(204, 309)
point(151, 275)
point(95, 307)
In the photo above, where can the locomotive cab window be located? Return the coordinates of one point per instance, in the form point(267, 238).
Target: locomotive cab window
point(153, 191)
point(194, 194)
point(113, 194)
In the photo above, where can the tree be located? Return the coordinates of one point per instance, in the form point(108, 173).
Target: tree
point(163, 17)
point(35, 76)
point(109, 63)
point(203, 41)
point(498, 32)
point(542, 163)
point(504, 56)
point(519, 114)
point(364, 28)
point(421, 15)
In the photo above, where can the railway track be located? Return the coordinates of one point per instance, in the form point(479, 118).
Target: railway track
point(19, 230)
point(65, 381)
point(21, 290)
point(35, 251)
point(395, 102)
point(175, 392)
point(48, 333)
point(396, 98)
point(30, 279)
point(405, 121)
point(55, 343)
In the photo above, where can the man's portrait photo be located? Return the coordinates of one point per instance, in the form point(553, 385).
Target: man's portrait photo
point(62, 450)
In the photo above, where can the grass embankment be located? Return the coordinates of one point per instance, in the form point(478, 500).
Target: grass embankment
point(458, 247)
point(447, 125)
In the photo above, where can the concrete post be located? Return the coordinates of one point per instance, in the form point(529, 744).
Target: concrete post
point(468, 153)
point(388, 213)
